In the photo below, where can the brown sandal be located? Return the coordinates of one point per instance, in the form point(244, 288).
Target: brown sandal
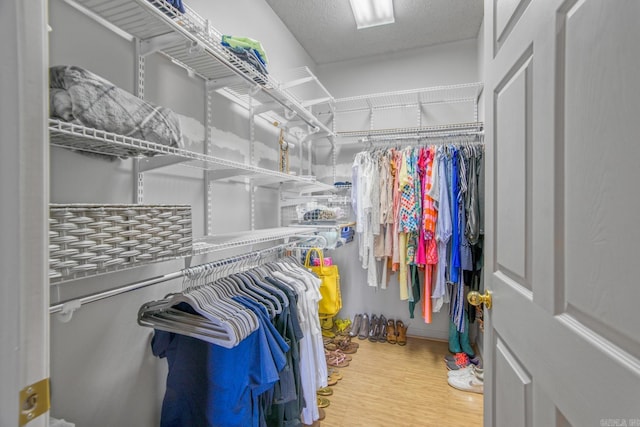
point(346, 346)
point(330, 346)
point(402, 332)
point(391, 332)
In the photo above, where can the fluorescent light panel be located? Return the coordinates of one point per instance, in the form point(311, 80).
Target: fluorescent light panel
point(371, 13)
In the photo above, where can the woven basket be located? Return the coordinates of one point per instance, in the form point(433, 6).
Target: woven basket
point(92, 239)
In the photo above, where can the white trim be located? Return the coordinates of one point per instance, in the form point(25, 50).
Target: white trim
point(24, 191)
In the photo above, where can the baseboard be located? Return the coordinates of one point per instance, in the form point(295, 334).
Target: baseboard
point(437, 339)
point(437, 336)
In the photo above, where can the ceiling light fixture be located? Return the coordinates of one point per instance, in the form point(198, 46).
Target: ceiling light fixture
point(371, 13)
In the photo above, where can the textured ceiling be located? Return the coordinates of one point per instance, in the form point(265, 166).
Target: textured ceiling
point(327, 30)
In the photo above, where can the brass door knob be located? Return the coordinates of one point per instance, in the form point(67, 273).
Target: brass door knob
point(476, 298)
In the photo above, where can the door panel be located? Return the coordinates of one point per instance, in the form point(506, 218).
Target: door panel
point(562, 340)
point(507, 14)
point(600, 284)
point(512, 107)
point(513, 389)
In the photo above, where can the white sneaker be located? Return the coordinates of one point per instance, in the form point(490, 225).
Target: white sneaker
point(466, 371)
point(469, 383)
point(463, 372)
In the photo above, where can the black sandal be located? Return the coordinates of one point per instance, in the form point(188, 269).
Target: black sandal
point(382, 335)
point(374, 329)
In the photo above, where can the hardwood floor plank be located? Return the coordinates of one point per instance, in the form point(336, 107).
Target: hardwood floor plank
point(391, 385)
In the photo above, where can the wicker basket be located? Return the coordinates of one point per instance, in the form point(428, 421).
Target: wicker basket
point(92, 239)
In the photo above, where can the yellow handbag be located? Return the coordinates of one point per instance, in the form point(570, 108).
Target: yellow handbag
point(331, 301)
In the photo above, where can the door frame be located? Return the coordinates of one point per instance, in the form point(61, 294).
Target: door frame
point(24, 194)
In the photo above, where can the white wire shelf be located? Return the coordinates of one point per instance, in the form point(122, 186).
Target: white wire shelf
point(306, 87)
point(190, 41)
point(325, 226)
point(322, 228)
point(468, 92)
point(315, 187)
point(77, 137)
point(221, 242)
point(332, 199)
point(416, 132)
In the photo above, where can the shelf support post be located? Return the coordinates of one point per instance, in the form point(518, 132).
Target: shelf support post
point(252, 161)
point(208, 149)
point(138, 177)
point(334, 158)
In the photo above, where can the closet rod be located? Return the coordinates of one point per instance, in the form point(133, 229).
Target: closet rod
point(471, 126)
point(79, 302)
point(57, 308)
point(412, 138)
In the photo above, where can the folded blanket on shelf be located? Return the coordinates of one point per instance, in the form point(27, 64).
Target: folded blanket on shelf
point(80, 96)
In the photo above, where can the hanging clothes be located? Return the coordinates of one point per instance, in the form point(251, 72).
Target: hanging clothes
point(420, 207)
point(269, 377)
point(443, 232)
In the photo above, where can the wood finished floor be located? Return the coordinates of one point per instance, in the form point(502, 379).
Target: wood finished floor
point(389, 385)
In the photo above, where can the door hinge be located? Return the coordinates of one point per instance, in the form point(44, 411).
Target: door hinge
point(34, 401)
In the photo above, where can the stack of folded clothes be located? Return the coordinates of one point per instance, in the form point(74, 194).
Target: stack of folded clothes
point(248, 50)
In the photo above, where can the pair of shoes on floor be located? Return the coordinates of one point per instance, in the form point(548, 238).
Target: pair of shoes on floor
point(470, 378)
point(333, 376)
point(323, 402)
point(324, 392)
point(344, 344)
point(361, 326)
point(378, 329)
point(468, 371)
point(337, 359)
point(396, 332)
point(461, 360)
point(343, 326)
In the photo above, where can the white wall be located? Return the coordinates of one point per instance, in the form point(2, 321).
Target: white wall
point(446, 64)
point(256, 19)
point(102, 370)
point(481, 56)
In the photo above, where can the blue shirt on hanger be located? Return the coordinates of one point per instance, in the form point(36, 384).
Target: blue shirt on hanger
point(209, 385)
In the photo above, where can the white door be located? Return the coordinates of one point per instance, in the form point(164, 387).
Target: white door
point(24, 197)
point(562, 93)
